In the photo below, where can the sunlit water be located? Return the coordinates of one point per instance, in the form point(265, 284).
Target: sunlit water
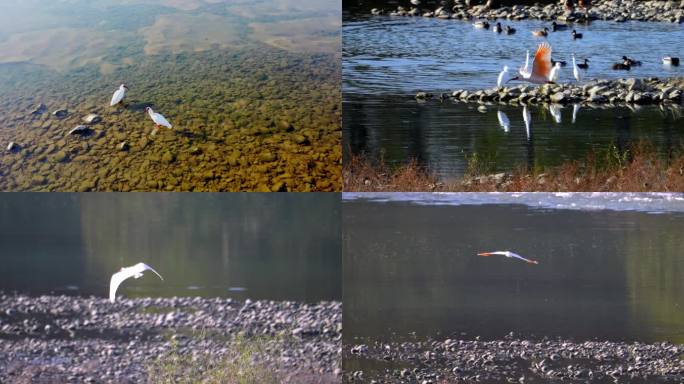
point(227, 74)
point(258, 246)
point(386, 60)
point(610, 266)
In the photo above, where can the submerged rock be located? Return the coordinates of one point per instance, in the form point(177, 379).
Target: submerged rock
point(81, 130)
point(92, 118)
point(60, 113)
point(39, 109)
point(13, 147)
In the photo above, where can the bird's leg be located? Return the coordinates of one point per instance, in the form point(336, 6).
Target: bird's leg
point(154, 131)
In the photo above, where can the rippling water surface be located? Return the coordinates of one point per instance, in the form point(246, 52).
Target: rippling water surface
point(386, 60)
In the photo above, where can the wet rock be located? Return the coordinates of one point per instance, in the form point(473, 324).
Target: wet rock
point(60, 113)
point(168, 157)
point(482, 109)
point(13, 147)
point(558, 97)
point(82, 130)
point(92, 118)
point(123, 146)
point(423, 95)
point(39, 109)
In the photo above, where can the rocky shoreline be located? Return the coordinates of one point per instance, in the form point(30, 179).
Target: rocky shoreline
point(516, 360)
point(76, 339)
point(613, 10)
point(622, 91)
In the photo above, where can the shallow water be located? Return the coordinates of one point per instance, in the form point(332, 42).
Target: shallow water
point(446, 136)
point(386, 60)
point(252, 89)
point(279, 247)
point(607, 270)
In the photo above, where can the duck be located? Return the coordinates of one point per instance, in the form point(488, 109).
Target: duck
point(562, 63)
point(498, 28)
point(584, 65)
point(481, 24)
point(622, 66)
point(541, 33)
point(558, 27)
point(510, 30)
point(569, 5)
point(630, 62)
point(669, 60)
point(576, 35)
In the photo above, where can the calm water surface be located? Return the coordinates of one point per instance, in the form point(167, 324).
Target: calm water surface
point(228, 75)
point(610, 267)
point(284, 247)
point(386, 60)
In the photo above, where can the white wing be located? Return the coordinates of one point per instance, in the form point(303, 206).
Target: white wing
point(161, 120)
point(515, 255)
point(504, 122)
point(527, 62)
point(124, 274)
point(118, 96)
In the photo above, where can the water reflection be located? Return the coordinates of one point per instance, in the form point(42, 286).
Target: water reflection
point(608, 275)
point(443, 135)
point(238, 245)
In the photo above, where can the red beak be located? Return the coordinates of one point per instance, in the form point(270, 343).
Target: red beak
point(484, 254)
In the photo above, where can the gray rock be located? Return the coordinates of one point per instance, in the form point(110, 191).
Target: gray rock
point(80, 130)
point(13, 147)
point(92, 118)
point(60, 113)
point(558, 97)
point(39, 109)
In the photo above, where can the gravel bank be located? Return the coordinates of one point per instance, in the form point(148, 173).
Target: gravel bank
point(75, 339)
point(614, 10)
point(623, 91)
point(518, 360)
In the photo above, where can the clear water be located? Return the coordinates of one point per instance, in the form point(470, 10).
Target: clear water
point(258, 246)
point(226, 74)
point(609, 267)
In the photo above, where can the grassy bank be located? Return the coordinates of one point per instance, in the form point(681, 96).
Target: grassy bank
point(638, 168)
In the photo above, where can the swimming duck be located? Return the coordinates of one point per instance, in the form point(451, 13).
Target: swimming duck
point(584, 65)
point(481, 24)
point(668, 60)
point(576, 35)
point(510, 30)
point(630, 62)
point(541, 33)
point(558, 27)
point(562, 63)
point(622, 66)
point(498, 28)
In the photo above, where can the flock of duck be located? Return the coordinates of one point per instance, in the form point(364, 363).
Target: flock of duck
point(544, 69)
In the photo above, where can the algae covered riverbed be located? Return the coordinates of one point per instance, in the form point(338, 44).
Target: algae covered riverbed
point(252, 90)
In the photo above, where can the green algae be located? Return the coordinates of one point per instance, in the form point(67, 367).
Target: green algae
point(247, 115)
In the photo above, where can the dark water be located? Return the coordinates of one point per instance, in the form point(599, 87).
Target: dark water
point(411, 269)
point(386, 60)
point(259, 246)
point(446, 135)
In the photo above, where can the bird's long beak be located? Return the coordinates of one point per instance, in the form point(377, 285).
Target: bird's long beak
point(533, 261)
point(484, 254)
point(513, 78)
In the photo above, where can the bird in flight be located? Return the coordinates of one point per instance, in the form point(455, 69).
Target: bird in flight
point(508, 254)
point(135, 271)
point(541, 67)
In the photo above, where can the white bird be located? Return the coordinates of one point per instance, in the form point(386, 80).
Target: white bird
point(575, 70)
point(503, 77)
point(575, 109)
point(157, 118)
point(135, 271)
point(555, 112)
point(541, 66)
point(118, 95)
point(669, 60)
point(527, 118)
point(526, 68)
point(555, 72)
point(508, 254)
point(504, 122)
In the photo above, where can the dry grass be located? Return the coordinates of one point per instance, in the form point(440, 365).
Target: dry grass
point(638, 169)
